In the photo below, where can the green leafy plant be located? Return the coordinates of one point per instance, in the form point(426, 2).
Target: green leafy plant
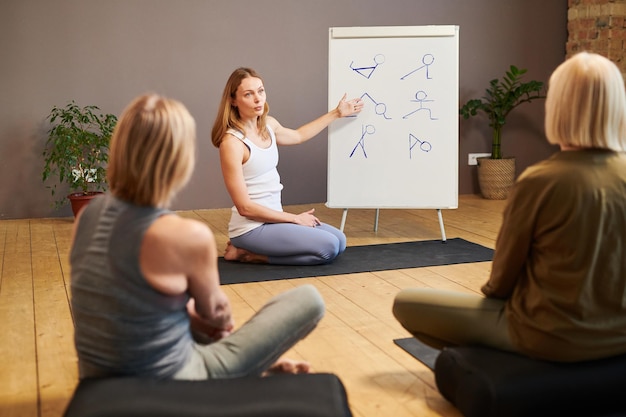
point(76, 151)
point(502, 96)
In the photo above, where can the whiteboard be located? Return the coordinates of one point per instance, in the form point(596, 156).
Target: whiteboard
point(401, 151)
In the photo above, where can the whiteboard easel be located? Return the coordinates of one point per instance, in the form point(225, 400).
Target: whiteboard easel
point(401, 151)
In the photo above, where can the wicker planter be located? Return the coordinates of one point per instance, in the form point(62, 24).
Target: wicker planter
point(495, 177)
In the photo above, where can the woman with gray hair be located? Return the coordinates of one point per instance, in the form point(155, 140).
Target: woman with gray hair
point(558, 280)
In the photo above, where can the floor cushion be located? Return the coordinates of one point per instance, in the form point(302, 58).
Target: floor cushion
point(310, 395)
point(483, 382)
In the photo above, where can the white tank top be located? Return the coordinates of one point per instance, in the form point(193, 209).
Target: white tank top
point(262, 180)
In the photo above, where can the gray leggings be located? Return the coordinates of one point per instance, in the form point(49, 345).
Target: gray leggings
point(293, 244)
point(258, 343)
point(443, 318)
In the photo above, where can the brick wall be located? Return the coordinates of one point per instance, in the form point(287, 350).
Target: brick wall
point(598, 26)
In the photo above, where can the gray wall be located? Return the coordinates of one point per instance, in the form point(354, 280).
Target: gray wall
point(106, 52)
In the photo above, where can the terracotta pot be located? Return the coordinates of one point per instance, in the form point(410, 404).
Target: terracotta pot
point(496, 177)
point(80, 200)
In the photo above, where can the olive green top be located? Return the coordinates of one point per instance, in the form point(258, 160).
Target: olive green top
point(560, 257)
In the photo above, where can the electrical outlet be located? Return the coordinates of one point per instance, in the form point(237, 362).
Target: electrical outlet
point(471, 158)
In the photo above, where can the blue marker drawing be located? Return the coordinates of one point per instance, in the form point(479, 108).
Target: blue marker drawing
point(427, 60)
point(369, 70)
point(365, 130)
point(420, 97)
point(379, 108)
point(425, 146)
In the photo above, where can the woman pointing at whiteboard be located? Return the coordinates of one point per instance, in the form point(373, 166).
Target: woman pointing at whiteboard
point(247, 138)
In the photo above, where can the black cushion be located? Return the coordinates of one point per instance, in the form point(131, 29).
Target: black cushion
point(309, 395)
point(483, 382)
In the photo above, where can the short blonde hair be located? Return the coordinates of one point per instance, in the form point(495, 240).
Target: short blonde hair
point(228, 115)
point(586, 104)
point(152, 151)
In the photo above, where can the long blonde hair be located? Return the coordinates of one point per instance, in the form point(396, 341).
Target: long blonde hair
point(152, 151)
point(228, 116)
point(586, 104)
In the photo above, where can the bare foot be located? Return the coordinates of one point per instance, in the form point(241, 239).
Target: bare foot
point(232, 253)
point(288, 366)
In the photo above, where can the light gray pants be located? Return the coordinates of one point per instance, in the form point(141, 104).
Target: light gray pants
point(441, 318)
point(258, 343)
point(294, 244)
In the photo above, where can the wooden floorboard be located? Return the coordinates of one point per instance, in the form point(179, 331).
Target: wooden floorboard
point(18, 352)
point(38, 366)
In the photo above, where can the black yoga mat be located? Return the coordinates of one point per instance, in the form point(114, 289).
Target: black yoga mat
point(423, 353)
point(367, 258)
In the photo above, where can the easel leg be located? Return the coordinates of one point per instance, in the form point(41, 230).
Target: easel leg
point(376, 220)
point(343, 219)
point(443, 231)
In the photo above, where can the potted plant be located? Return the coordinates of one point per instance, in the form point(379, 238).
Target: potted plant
point(76, 152)
point(496, 174)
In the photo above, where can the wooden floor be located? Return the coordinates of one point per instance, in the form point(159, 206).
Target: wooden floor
point(354, 340)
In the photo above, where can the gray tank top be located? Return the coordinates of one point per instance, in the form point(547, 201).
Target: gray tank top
point(123, 326)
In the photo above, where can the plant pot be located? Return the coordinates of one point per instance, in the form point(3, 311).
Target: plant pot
point(80, 200)
point(496, 177)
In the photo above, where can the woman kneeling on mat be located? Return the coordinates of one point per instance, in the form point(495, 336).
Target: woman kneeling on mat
point(145, 281)
point(247, 138)
point(558, 279)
